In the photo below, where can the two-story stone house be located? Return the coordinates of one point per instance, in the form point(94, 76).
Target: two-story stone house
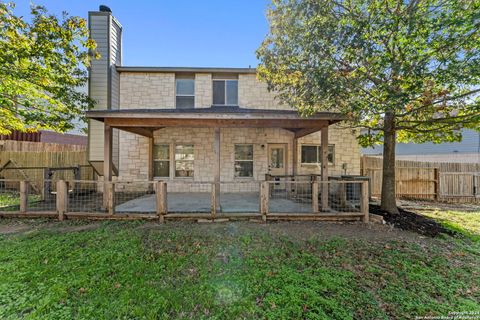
point(201, 124)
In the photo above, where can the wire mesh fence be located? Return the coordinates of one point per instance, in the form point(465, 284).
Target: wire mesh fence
point(85, 196)
point(290, 197)
point(9, 195)
point(189, 196)
point(134, 197)
point(223, 198)
point(239, 197)
point(343, 196)
point(42, 196)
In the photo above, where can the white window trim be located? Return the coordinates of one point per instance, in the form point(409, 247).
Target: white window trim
point(184, 95)
point(169, 160)
point(174, 164)
point(318, 163)
point(224, 92)
point(252, 161)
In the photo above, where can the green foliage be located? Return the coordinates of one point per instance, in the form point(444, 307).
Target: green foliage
point(114, 270)
point(465, 223)
point(42, 66)
point(419, 60)
point(11, 200)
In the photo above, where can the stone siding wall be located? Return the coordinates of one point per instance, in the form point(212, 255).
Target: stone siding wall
point(147, 90)
point(203, 90)
point(157, 90)
point(134, 152)
point(254, 94)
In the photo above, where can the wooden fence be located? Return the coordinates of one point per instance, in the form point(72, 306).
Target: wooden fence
point(33, 166)
point(12, 145)
point(162, 200)
point(442, 181)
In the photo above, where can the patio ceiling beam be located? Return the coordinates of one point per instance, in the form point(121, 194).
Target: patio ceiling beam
point(122, 123)
point(305, 132)
point(145, 132)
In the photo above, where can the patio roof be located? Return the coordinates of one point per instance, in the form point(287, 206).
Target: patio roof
point(145, 121)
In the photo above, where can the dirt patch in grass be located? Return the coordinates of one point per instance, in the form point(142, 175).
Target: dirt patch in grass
point(13, 228)
point(296, 230)
point(408, 220)
point(73, 227)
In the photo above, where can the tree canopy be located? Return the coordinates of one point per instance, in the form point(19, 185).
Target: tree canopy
point(43, 64)
point(409, 69)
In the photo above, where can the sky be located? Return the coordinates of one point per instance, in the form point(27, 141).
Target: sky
point(201, 33)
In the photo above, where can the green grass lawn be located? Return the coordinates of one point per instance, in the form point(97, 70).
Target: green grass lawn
point(11, 200)
point(141, 270)
point(467, 223)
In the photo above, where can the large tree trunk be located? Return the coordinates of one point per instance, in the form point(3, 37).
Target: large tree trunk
point(388, 182)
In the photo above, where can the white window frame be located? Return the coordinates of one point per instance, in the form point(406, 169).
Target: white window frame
point(169, 160)
point(175, 160)
point(224, 91)
point(319, 155)
point(184, 95)
point(235, 160)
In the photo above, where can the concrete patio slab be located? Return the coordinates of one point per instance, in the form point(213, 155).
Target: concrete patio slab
point(192, 202)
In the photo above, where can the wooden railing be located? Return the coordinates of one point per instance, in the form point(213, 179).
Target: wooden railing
point(265, 200)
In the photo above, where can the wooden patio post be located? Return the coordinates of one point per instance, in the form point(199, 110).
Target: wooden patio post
point(107, 163)
point(150, 160)
point(23, 196)
point(324, 144)
point(161, 196)
point(295, 156)
point(62, 199)
point(107, 153)
point(216, 150)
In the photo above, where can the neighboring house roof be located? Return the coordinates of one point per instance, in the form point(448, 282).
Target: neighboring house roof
point(470, 144)
point(185, 69)
point(46, 136)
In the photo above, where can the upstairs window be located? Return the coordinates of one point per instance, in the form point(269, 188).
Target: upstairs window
point(225, 92)
point(312, 154)
point(185, 93)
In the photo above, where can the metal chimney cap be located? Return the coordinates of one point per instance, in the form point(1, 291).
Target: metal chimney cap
point(104, 8)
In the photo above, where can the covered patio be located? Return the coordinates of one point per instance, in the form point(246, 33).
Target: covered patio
point(200, 202)
point(145, 122)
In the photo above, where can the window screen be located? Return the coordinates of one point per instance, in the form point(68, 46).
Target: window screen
point(185, 93)
point(243, 160)
point(225, 92)
point(161, 160)
point(313, 154)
